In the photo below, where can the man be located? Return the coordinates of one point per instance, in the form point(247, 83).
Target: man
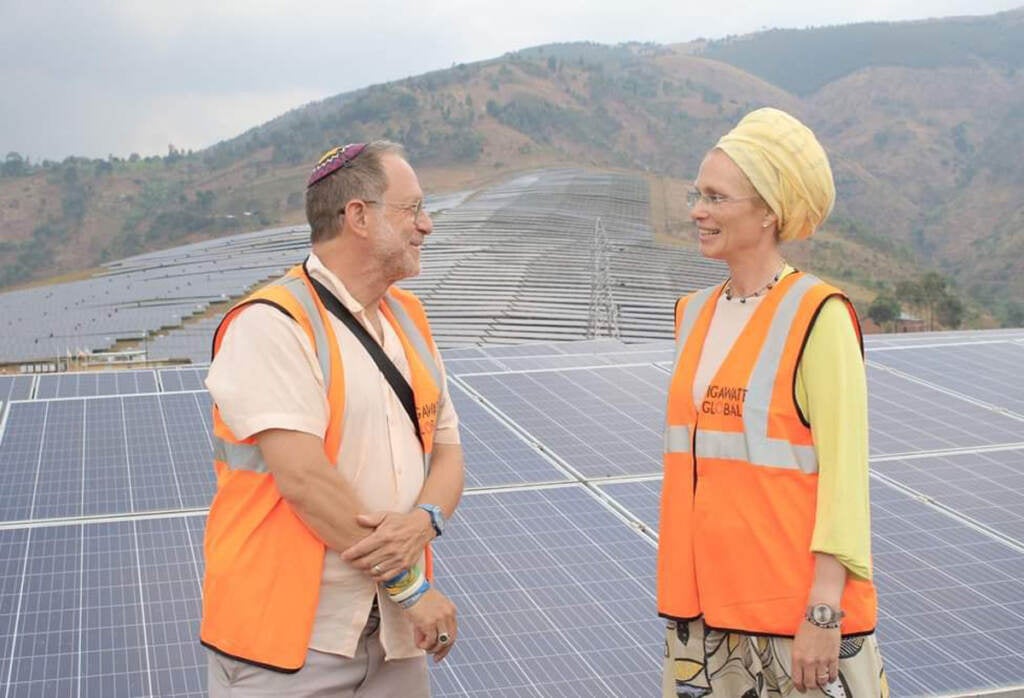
point(316, 576)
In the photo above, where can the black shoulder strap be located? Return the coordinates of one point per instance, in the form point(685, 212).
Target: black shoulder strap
point(398, 383)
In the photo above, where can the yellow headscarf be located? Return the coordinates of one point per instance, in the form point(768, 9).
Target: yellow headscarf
point(787, 166)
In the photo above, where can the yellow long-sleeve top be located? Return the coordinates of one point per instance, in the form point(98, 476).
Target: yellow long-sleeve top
point(831, 390)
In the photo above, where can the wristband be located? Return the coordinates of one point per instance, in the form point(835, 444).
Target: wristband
point(417, 584)
point(403, 580)
point(423, 589)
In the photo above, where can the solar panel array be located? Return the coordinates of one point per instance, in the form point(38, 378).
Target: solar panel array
point(136, 298)
point(510, 263)
point(107, 476)
point(550, 557)
point(47, 386)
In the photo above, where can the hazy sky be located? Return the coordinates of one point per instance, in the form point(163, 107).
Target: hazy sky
point(112, 77)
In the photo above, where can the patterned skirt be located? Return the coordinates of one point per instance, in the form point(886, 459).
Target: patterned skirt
point(703, 662)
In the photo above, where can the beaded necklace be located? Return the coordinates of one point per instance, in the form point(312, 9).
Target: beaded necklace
point(764, 289)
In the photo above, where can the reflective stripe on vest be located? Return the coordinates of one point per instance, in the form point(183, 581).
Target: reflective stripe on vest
point(690, 315)
point(677, 439)
point(248, 456)
point(415, 337)
point(753, 445)
point(239, 456)
point(300, 289)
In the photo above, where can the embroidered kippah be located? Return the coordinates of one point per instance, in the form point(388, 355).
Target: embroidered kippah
point(333, 160)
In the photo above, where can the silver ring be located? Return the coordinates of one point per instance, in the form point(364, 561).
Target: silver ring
point(444, 638)
point(376, 569)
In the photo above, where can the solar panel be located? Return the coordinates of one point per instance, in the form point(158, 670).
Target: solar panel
point(986, 487)
point(15, 388)
point(189, 426)
point(20, 454)
point(12, 563)
point(42, 651)
point(494, 454)
point(91, 456)
point(154, 484)
point(463, 353)
point(554, 595)
point(553, 591)
point(467, 366)
point(555, 582)
point(104, 609)
point(456, 367)
point(602, 422)
point(59, 385)
point(950, 608)
point(58, 487)
point(991, 372)
point(908, 417)
point(944, 585)
point(641, 498)
point(175, 379)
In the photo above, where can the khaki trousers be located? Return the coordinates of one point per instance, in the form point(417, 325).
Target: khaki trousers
point(325, 675)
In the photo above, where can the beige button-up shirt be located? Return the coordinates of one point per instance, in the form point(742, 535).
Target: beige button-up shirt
point(266, 376)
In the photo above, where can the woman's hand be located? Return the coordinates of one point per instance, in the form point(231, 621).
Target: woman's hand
point(815, 656)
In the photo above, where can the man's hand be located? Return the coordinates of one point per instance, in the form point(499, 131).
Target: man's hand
point(433, 617)
point(815, 656)
point(395, 544)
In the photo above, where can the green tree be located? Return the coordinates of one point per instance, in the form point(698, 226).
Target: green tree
point(884, 310)
point(910, 293)
point(205, 199)
point(14, 165)
point(934, 289)
point(950, 311)
point(928, 294)
point(1012, 314)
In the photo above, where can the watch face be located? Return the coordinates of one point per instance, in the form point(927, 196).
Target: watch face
point(823, 613)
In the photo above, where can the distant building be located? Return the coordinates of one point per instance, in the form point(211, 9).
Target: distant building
point(909, 323)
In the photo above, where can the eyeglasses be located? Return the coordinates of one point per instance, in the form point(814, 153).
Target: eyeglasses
point(694, 197)
point(414, 209)
point(333, 160)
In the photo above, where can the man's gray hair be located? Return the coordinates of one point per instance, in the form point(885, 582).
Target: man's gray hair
point(362, 178)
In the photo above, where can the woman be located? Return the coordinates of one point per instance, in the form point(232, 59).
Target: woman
point(764, 563)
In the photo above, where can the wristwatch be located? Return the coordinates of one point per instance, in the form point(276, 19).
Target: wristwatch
point(436, 517)
point(822, 615)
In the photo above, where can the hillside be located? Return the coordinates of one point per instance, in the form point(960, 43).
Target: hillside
point(924, 146)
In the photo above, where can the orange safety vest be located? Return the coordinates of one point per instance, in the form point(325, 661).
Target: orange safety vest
point(741, 474)
point(263, 564)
